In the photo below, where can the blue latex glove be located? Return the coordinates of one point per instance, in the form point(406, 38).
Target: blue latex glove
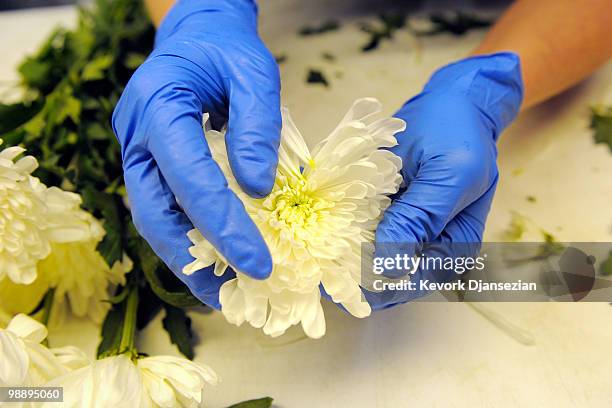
point(449, 157)
point(207, 58)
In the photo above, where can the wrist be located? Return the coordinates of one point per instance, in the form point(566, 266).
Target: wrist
point(493, 83)
point(208, 16)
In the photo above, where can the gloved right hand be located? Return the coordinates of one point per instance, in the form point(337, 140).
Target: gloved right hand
point(207, 58)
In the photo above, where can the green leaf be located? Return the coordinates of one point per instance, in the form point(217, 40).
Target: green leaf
point(601, 123)
point(111, 330)
point(94, 70)
point(177, 294)
point(133, 60)
point(35, 72)
point(15, 115)
point(111, 247)
point(178, 326)
point(265, 402)
point(118, 298)
point(151, 305)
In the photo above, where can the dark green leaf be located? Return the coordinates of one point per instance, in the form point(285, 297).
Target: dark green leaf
point(150, 305)
point(13, 116)
point(178, 296)
point(111, 330)
point(601, 123)
point(107, 205)
point(265, 402)
point(178, 326)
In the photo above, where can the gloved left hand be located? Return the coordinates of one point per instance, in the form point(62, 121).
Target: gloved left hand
point(207, 58)
point(449, 158)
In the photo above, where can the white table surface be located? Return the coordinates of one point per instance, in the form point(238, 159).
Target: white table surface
point(420, 354)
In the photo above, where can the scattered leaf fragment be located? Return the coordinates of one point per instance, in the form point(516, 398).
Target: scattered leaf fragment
point(254, 403)
point(326, 26)
point(328, 56)
point(389, 23)
point(456, 23)
point(601, 124)
point(605, 268)
point(316, 77)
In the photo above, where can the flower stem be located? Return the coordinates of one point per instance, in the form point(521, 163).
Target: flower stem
point(129, 321)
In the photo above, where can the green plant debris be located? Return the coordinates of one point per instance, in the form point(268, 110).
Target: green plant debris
point(605, 269)
point(325, 27)
point(280, 58)
point(531, 199)
point(601, 124)
point(254, 403)
point(456, 23)
point(315, 76)
point(516, 228)
point(519, 225)
point(388, 25)
point(549, 247)
point(328, 56)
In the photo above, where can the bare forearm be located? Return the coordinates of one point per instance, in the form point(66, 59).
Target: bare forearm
point(560, 42)
point(158, 9)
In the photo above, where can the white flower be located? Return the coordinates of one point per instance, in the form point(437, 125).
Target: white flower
point(32, 217)
point(47, 240)
point(175, 382)
point(118, 382)
point(26, 362)
point(323, 206)
point(81, 277)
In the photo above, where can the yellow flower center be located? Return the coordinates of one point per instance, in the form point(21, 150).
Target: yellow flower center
point(294, 206)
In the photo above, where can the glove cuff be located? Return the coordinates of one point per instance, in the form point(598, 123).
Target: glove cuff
point(240, 14)
point(491, 82)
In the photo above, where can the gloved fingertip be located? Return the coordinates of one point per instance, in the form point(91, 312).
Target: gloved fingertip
point(257, 266)
point(253, 157)
point(257, 178)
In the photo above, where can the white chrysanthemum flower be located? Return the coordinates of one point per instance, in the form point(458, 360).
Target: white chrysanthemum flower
point(26, 362)
point(323, 206)
point(47, 240)
point(175, 382)
point(117, 381)
point(82, 279)
point(32, 217)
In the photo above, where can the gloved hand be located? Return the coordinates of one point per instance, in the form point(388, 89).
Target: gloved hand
point(449, 157)
point(207, 58)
